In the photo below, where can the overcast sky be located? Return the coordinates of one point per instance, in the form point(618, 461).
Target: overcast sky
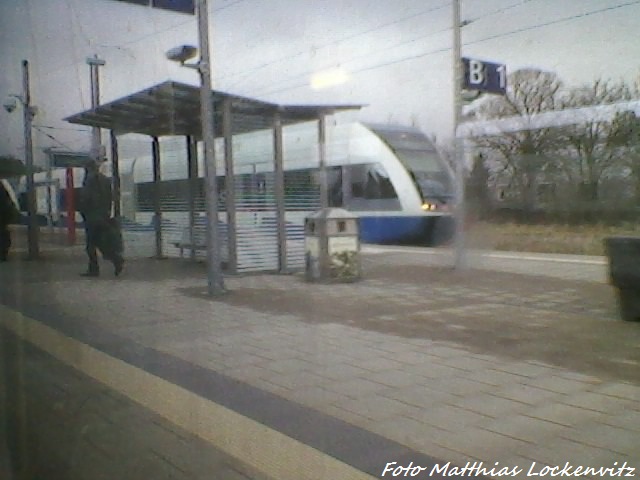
point(395, 56)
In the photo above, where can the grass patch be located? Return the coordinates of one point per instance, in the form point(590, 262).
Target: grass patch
point(570, 239)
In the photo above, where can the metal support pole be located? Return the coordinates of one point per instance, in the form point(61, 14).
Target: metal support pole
point(214, 272)
point(115, 174)
point(279, 192)
point(157, 207)
point(322, 156)
point(458, 155)
point(28, 112)
point(192, 174)
point(69, 198)
point(96, 139)
point(229, 188)
point(50, 198)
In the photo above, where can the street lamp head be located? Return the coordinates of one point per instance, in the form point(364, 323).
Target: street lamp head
point(182, 53)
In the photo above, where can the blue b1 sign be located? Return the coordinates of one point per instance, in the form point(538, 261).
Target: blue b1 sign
point(484, 76)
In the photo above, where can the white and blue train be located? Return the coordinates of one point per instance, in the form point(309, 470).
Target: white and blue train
point(391, 177)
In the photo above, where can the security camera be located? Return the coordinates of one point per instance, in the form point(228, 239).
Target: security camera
point(10, 104)
point(182, 53)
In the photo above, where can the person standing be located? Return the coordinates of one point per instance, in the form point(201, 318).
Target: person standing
point(95, 208)
point(8, 214)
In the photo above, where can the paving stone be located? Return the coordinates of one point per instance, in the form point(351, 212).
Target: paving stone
point(525, 394)
point(356, 387)
point(418, 395)
point(494, 377)
point(627, 419)
point(460, 387)
point(451, 418)
point(528, 429)
point(380, 364)
point(466, 363)
point(490, 405)
point(295, 381)
point(562, 414)
point(481, 444)
point(620, 390)
point(316, 396)
point(618, 440)
point(557, 384)
point(524, 369)
point(405, 430)
point(597, 402)
point(341, 371)
point(396, 378)
point(376, 407)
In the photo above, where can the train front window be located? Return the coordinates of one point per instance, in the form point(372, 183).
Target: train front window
point(428, 174)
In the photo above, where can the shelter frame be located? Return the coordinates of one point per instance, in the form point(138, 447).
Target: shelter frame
point(173, 109)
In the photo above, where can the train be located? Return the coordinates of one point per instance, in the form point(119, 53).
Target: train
point(391, 177)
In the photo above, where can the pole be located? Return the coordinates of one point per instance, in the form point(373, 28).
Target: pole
point(214, 273)
point(459, 261)
point(157, 205)
point(28, 112)
point(71, 208)
point(230, 188)
point(115, 175)
point(279, 192)
point(322, 153)
point(96, 139)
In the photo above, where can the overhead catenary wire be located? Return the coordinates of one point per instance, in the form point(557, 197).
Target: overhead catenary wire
point(448, 48)
point(253, 70)
point(62, 144)
point(346, 38)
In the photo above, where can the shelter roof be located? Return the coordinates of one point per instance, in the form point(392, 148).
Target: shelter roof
point(172, 108)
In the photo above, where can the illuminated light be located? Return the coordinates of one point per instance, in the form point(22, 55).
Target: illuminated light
point(329, 78)
point(429, 207)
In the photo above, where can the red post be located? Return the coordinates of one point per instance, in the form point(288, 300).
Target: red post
point(71, 208)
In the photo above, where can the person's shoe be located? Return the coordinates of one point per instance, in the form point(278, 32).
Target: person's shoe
point(90, 274)
point(118, 265)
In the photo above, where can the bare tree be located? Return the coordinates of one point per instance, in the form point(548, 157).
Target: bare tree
point(590, 155)
point(477, 188)
point(522, 155)
point(625, 135)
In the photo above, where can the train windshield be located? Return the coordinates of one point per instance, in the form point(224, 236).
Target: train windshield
point(421, 160)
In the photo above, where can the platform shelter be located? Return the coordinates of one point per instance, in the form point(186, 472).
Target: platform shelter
point(173, 109)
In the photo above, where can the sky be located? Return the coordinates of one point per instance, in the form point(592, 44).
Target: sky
point(394, 57)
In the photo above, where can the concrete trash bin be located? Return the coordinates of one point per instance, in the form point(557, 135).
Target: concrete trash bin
point(623, 254)
point(332, 246)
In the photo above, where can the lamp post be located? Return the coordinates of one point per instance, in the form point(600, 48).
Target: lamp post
point(458, 156)
point(28, 112)
point(181, 54)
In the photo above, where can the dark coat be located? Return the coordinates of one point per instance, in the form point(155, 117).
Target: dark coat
point(8, 212)
point(95, 197)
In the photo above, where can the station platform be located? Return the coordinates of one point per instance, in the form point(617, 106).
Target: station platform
point(518, 362)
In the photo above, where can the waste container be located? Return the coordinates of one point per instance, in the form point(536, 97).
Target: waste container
point(623, 254)
point(332, 246)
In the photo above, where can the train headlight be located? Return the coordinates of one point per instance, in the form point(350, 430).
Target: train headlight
point(429, 207)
